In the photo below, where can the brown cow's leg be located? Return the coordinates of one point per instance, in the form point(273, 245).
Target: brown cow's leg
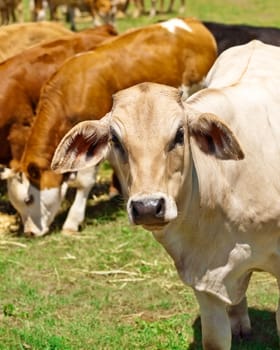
point(181, 8)
point(170, 7)
point(70, 14)
point(139, 8)
point(20, 14)
point(4, 16)
point(153, 10)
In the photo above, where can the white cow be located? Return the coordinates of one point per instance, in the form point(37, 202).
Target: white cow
point(203, 176)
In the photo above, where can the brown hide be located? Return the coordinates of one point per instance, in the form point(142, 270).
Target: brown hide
point(14, 38)
point(22, 77)
point(82, 88)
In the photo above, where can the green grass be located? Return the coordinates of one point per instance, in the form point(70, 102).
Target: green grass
point(255, 12)
point(113, 287)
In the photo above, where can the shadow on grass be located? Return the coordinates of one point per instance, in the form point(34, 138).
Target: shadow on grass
point(106, 209)
point(100, 210)
point(264, 333)
point(5, 206)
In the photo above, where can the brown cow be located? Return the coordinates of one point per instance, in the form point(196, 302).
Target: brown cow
point(22, 77)
point(82, 89)
point(14, 38)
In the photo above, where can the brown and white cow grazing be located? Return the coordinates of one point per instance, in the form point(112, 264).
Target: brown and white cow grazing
point(14, 38)
point(22, 77)
point(202, 175)
point(82, 89)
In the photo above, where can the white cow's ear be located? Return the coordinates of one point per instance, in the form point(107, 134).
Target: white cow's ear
point(6, 173)
point(83, 146)
point(214, 137)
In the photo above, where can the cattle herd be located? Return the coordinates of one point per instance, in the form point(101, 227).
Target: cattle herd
point(101, 11)
point(186, 113)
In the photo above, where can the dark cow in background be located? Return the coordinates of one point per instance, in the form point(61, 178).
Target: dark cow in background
point(228, 35)
point(202, 175)
point(175, 52)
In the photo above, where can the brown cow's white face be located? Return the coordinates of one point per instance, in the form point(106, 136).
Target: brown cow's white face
point(37, 208)
point(146, 137)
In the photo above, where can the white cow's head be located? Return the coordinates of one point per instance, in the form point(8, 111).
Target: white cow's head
point(147, 136)
point(37, 208)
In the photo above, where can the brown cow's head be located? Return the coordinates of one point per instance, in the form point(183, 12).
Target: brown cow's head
point(147, 139)
point(36, 206)
point(105, 12)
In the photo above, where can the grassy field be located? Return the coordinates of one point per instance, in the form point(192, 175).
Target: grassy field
point(255, 12)
point(112, 286)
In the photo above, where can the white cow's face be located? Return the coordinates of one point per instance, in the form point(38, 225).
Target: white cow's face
point(147, 139)
point(149, 149)
point(36, 208)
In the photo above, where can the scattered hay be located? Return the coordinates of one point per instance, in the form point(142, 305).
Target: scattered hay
point(8, 224)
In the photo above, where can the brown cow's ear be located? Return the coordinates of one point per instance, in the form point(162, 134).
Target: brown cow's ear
point(214, 137)
point(83, 146)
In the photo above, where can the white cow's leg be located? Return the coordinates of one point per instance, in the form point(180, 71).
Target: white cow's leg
point(215, 323)
point(76, 213)
point(239, 319)
point(83, 181)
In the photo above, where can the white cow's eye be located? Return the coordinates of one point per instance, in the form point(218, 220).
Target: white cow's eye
point(178, 139)
point(115, 141)
point(118, 146)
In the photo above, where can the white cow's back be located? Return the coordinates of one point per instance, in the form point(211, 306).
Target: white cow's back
point(249, 62)
point(244, 91)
